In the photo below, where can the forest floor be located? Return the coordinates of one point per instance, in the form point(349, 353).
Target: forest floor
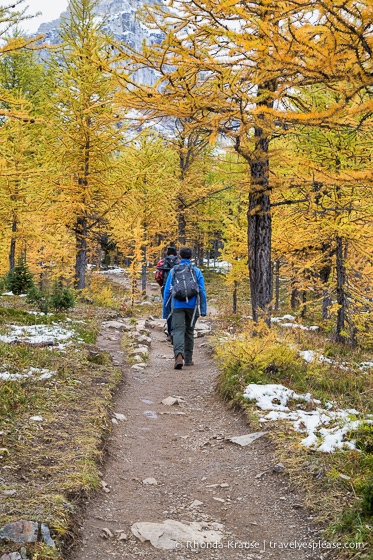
point(196, 474)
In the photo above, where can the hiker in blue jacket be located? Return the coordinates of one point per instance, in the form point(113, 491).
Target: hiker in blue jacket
point(184, 306)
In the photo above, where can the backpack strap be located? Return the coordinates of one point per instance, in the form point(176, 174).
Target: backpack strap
point(170, 296)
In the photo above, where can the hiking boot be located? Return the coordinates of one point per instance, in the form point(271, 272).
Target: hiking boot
point(189, 364)
point(170, 338)
point(179, 361)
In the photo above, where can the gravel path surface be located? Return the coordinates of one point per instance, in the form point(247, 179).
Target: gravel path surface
point(199, 475)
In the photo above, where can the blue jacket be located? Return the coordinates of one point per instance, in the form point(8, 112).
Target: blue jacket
point(191, 304)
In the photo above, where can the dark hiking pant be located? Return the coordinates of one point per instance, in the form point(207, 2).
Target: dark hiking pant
point(184, 332)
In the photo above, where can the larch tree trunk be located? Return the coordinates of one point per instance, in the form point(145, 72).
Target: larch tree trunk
point(277, 284)
point(81, 252)
point(144, 267)
point(325, 273)
point(234, 308)
point(81, 228)
point(342, 298)
point(12, 250)
point(260, 232)
point(181, 226)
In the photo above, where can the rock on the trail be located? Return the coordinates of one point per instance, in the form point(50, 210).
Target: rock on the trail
point(137, 358)
point(106, 533)
point(139, 367)
point(157, 324)
point(20, 532)
point(170, 401)
point(279, 468)
point(12, 556)
point(259, 475)
point(144, 350)
point(118, 325)
point(195, 504)
point(46, 534)
point(143, 339)
point(247, 439)
point(120, 417)
point(201, 329)
point(150, 481)
point(169, 534)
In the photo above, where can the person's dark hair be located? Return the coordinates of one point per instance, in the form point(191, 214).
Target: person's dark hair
point(172, 251)
point(186, 253)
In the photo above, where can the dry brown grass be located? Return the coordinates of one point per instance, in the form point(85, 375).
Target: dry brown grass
point(53, 464)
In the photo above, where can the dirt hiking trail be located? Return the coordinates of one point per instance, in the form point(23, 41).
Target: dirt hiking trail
point(229, 493)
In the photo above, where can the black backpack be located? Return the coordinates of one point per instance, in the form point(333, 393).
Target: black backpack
point(169, 262)
point(184, 285)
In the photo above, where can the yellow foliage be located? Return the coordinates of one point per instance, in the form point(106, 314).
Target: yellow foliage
point(99, 291)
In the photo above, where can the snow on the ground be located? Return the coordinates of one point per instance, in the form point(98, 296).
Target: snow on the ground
point(310, 356)
point(325, 428)
point(35, 334)
point(218, 265)
point(41, 313)
point(366, 365)
point(36, 374)
point(115, 270)
point(11, 294)
point(292, 325)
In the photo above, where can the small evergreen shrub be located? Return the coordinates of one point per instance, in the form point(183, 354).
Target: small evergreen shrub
point(367, 493)
point(3, 283)
point(20, 280)
point(60, 299)
point(39, 298)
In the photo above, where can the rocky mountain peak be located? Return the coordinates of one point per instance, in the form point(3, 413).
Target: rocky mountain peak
point(121, 21)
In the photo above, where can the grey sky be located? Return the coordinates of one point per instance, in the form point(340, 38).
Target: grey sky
point(51, 9)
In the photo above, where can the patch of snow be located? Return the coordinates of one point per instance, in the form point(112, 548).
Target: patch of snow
point(36, 374)
point(6, 376)
point(292, 325)
point(366, 365)
point(308, 356)
point(217, 265)
point(35, 334)
point(264, 395)
point(326, 428)
point(39, 313)
point(7, 294)
point(111, 271)
point(36, 418)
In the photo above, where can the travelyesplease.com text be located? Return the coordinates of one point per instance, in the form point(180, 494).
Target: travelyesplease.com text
point(267, 545)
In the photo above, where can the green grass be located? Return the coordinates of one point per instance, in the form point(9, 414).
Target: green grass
point(21, 317)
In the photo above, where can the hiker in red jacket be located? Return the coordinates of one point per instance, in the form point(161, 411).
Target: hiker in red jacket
point(163, 269)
